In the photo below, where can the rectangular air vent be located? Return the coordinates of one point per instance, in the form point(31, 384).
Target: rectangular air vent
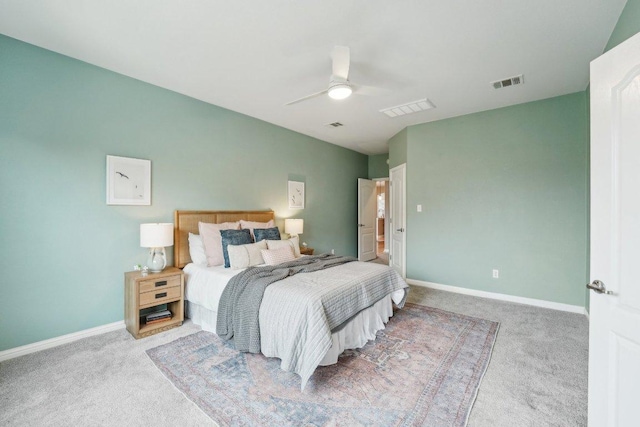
point(335, 124)
point(511, 81)
point(409, 108)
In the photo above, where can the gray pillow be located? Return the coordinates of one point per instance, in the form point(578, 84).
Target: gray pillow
point(266, 233)
point(233, 237)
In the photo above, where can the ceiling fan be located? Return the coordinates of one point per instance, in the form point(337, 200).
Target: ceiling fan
point(339, 85)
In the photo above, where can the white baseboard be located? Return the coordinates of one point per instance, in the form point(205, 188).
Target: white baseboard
point(502, 297)
point(54, 342)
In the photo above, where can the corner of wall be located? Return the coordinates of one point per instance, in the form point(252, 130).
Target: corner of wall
point(628, 24)
point(378, 166)
point(398, 149)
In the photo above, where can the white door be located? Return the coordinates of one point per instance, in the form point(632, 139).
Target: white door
point(366, 219)
point(398, 219)
point(387, 204)
point(614, 327)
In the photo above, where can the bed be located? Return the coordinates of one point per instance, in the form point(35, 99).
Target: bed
point(204, 287)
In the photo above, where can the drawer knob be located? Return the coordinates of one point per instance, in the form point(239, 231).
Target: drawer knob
point(161, 295)
point(162, 283)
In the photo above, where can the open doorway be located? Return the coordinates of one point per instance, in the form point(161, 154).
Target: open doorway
point(382, 224)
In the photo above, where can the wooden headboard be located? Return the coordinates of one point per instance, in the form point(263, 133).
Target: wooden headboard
point(186, 222)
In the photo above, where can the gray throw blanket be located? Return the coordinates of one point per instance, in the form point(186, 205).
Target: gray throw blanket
point(238, 312)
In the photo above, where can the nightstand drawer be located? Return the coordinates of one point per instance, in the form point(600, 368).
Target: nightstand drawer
point(160, 296)
point(159, 284)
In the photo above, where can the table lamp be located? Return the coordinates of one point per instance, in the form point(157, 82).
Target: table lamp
point(156, 237)
point(293, 226)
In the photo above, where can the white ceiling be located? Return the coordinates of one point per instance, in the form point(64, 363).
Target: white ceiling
point(254, 56)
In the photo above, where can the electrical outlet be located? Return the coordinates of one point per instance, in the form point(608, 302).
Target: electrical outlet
point(419, 208)
point(333, 252)
point(496, 274)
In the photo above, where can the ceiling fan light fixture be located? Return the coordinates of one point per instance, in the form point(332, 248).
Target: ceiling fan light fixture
point(340, 91)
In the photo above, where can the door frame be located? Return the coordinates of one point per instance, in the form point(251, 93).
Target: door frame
point(394, 223)
point(387, 209)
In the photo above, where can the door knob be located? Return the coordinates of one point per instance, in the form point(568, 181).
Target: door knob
point(360, 225)
point(599, 287)
point(400, 230)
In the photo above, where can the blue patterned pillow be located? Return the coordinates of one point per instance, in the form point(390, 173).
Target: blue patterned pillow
point(266, 233)
point(233, 237)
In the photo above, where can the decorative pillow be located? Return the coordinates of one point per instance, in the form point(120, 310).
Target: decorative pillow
point(196, 249)
point(233, 237)
point(250, 225)
point(210, 234)
point(278, 256)
point(293, 243)
point(266, 234)
point(243, 256)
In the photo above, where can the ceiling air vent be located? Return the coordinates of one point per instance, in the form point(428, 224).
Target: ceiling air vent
point(511, 81)
point(335, 124)
point(408, 108)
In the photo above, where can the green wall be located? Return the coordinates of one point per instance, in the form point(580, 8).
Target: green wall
point(64, 251)
point(627, 26)
point(504, 189)
point(378, 166)
point(398, 149)
point(426, 144)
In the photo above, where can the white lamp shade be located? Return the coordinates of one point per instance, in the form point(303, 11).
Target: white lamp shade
point(156, 235)
point(293, 226)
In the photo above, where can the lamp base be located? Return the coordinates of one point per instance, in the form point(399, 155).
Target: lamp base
point(157, 260)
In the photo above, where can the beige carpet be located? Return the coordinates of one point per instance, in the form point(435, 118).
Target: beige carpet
point(537, 375)
point(383, 258)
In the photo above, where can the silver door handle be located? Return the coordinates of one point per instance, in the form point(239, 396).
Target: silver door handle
point(599, 287)
point(400, 230)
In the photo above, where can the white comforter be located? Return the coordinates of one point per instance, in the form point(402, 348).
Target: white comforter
point(204, 285)
point(295, 315)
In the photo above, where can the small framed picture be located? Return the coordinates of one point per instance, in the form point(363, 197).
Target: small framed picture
point(296, 195)
point(128, 181)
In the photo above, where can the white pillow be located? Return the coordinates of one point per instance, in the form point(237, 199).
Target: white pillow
point(196, 249)
point(278, 256)
point(250, 225)
point(293, 243)
point(243, 256)
point(212, 240)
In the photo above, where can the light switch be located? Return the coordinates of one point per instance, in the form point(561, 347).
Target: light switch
point(419, 208)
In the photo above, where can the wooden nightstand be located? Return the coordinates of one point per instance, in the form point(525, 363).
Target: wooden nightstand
point(150, 291)
point(306, 251)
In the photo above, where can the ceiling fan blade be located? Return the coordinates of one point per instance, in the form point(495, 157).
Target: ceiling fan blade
point(341, 58)
point(304, 98)
point(370, 90)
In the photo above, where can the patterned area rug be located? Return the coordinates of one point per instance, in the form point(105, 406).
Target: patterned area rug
point(424, 369)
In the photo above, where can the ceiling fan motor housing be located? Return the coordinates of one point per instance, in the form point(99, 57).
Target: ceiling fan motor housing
point(339, 89)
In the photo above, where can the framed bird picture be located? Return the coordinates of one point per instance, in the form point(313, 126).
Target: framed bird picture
point(128, 181)
point(296, 195)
